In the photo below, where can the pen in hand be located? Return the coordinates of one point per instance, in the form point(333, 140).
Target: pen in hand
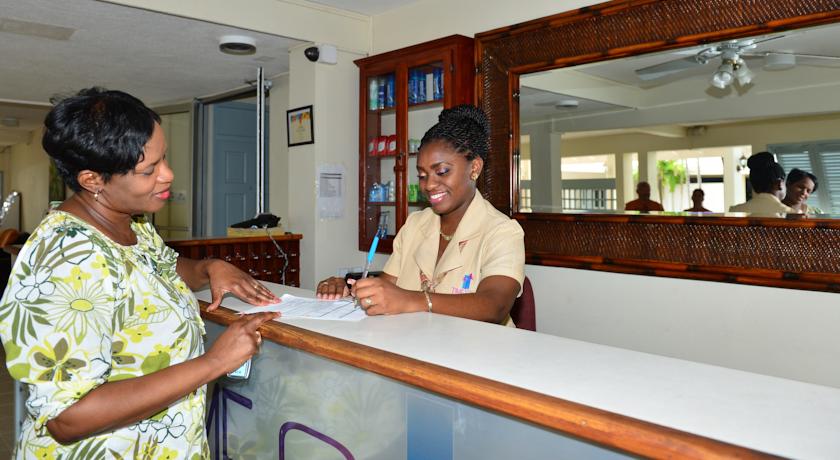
point(371, 253)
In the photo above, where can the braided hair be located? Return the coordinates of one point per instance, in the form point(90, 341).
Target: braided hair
point(465, 128)
point(764, 172)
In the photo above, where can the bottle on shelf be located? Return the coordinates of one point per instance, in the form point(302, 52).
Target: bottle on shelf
point(380, 101)
point(421, 87)
point(374, 193)
point(438, 83)
point(373, 94)
point(412, 87)
point(389, 93)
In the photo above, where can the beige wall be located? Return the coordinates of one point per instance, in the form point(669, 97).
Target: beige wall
point(28, 173)
point(177, 214)
point(429, 19)
point(756, 133)
point(278, 152)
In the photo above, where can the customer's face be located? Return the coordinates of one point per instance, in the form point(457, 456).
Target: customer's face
point(445, 177)
point(145, 189)
point(800, 190)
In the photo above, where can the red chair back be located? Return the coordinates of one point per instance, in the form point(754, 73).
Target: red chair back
point(524, 313)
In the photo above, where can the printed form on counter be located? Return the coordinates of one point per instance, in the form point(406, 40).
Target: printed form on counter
point(300, 307)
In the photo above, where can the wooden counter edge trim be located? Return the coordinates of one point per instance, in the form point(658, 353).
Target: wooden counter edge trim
point(595, 425)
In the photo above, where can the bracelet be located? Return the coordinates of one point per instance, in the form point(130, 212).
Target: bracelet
point(428, 300)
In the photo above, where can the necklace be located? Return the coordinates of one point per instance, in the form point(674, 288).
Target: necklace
point(446, 237)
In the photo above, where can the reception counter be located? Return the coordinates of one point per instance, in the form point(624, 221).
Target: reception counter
point(422, 385)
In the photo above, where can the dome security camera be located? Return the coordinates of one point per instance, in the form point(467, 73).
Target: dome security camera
point(312, 53)
point(323, 53)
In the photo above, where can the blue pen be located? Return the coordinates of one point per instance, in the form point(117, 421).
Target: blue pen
point(372, 251)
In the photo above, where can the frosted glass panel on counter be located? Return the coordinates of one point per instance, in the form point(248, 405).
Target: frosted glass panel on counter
point(319, 409)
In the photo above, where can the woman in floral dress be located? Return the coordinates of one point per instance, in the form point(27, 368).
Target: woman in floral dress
point(98, 319)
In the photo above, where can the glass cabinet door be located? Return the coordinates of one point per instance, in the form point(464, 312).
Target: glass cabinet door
point(426, 99)
point(402, 93)
point(381, 156)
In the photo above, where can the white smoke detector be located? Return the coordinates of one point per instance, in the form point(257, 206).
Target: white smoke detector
point(237, 44)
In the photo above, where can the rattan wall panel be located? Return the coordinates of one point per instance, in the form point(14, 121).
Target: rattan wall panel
point(791, 248)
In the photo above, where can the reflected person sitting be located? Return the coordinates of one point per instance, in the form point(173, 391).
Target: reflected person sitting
point(768, 182)
point(460, 256)
point(697, 197)
point(99, 321)
point(643, 203)
point(800, 185)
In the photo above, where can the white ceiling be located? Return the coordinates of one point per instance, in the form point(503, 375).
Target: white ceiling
point(159, 58)
point(367, 7)
point(686, 98)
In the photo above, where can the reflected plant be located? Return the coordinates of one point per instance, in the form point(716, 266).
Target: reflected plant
point(671, 173)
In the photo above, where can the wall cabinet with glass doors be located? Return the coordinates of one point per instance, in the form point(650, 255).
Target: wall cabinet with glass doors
point(401, 94)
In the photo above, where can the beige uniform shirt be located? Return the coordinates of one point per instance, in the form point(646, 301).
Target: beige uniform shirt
point(763, 205)
point(486, 243)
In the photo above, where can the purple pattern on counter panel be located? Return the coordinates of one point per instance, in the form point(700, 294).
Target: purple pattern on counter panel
point(288, 426)
point(213, 414)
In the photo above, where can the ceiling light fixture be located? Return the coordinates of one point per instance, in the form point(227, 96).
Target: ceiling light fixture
point(733, 69)
point(237, 45)
point(723, 76)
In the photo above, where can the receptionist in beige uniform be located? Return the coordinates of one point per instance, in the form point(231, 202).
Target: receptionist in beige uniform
point(460, 256)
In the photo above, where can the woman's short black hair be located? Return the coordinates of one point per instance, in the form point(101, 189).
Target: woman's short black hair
point(764, 172)
point(99, 130)
point(465, 128)
point(797, 175)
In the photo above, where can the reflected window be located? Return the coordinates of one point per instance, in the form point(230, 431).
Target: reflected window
point(821, 159)
point(588, 182)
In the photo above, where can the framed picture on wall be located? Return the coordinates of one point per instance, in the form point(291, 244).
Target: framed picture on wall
point(300, 126)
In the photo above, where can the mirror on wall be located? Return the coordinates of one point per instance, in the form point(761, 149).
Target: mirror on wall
point(679, 121)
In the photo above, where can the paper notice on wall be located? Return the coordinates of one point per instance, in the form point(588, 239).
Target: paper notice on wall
point(331, 191)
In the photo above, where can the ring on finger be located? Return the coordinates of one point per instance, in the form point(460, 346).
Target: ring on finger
point(368, 301)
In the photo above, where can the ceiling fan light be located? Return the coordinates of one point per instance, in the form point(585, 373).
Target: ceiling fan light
point(723, 77)
point(779, 61)
point(743, 74)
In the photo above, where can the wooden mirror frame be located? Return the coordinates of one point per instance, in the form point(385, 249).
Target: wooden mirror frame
point(800, 254)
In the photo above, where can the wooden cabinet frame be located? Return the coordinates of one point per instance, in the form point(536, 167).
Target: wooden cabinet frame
point(456, 52)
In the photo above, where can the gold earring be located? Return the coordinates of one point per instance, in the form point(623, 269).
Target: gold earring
point(473, 177)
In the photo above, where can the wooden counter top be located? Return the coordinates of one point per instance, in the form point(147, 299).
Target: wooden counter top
point(641, 403)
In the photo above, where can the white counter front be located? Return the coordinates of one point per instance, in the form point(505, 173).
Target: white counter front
point(768, 414)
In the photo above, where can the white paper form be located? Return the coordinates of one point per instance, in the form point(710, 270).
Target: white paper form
point(300, 307)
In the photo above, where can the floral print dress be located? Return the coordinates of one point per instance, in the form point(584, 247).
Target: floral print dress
point(81, 310)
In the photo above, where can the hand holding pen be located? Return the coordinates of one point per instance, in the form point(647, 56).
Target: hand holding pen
point(371, 254)
point(335, 287)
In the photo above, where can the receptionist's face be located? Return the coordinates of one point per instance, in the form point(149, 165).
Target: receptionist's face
point(444, 176)
point(801, 190)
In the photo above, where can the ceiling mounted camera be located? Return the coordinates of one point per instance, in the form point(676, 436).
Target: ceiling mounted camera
point(326, 54)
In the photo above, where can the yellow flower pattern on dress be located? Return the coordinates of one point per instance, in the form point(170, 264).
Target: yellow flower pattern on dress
point(81, 310)
point(136, 334)
point(45, 453)
point(76, 277)
point(146, 309)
